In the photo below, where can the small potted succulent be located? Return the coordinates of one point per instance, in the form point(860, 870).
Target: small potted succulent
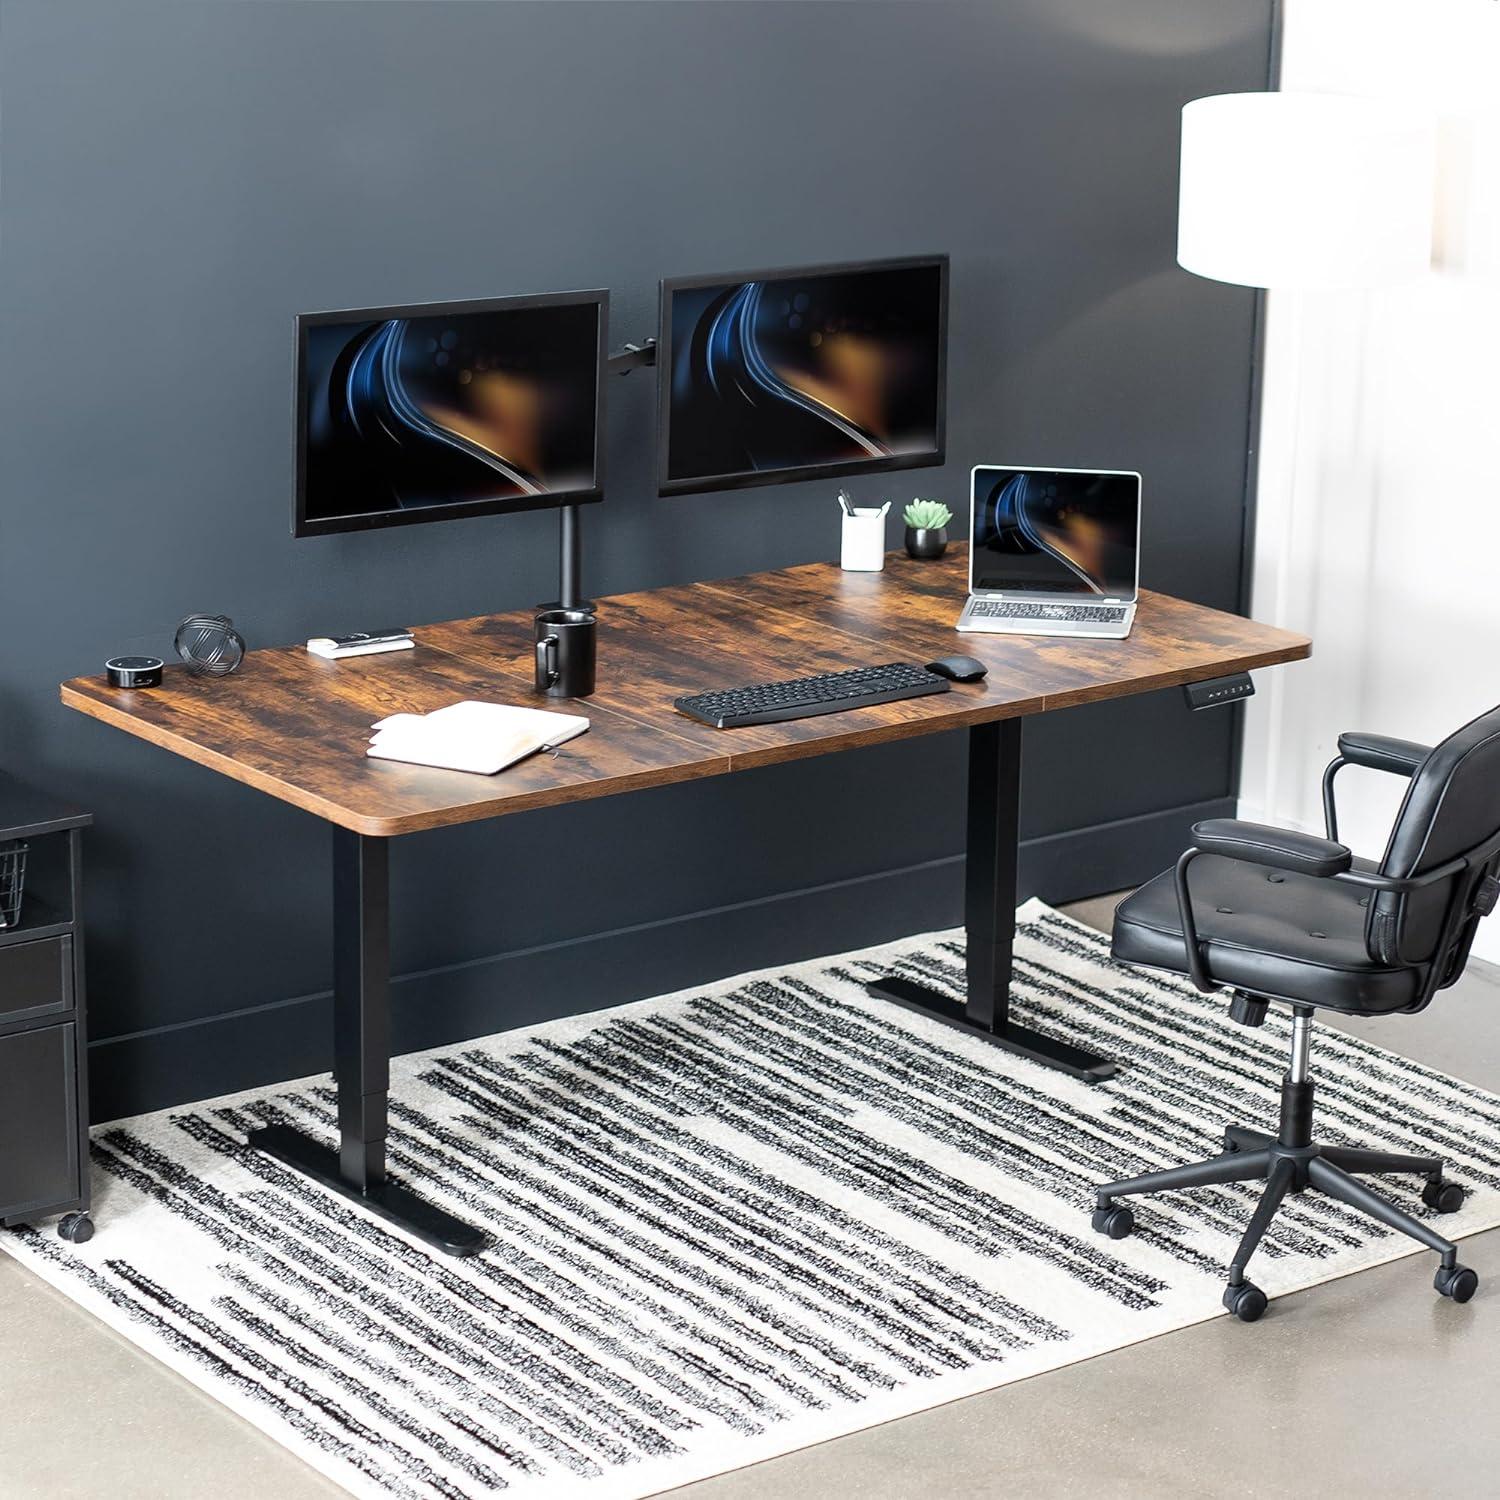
point(926, 528)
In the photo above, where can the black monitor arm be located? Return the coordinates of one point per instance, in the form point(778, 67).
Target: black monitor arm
point(569, 542)
point(632, 357)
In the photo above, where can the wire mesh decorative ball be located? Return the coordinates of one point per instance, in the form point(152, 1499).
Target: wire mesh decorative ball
point(210, 645)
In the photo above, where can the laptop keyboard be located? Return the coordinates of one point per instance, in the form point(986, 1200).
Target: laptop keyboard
point(1082, 614)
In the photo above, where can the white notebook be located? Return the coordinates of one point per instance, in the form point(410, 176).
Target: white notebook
point(480, 737)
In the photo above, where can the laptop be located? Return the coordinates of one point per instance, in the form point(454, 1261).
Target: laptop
point(1053, 551)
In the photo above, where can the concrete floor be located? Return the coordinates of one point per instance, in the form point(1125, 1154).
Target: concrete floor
point(1369, 1386)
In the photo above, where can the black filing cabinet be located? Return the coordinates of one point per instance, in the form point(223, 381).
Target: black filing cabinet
point(44, 1159)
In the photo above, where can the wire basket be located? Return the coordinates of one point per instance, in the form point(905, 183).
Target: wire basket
point(12, 882)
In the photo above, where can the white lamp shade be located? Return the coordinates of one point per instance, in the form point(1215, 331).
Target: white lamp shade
point(1304, 190)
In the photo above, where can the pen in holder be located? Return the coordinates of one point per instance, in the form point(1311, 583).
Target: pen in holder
point(862, 549)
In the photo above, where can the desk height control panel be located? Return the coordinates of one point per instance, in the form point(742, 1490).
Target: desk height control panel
point(1219, 692)
point(44, 1158)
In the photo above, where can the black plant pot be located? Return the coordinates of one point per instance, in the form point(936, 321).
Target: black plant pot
point(926, 541)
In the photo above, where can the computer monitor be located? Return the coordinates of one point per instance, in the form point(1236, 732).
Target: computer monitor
point(438, 410)
point(771, 376)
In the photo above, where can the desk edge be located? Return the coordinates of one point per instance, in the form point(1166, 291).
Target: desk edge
point(356, 822)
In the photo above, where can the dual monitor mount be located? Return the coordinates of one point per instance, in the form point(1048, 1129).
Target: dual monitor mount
point(631, 357)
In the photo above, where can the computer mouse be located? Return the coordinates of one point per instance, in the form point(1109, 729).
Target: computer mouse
point(958, 668)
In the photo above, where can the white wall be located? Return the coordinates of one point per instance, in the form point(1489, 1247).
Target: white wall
point(1379, 501)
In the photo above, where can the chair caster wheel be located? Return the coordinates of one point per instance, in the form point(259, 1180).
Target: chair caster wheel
point(1445, 1197)
point(77, 1229)
point(1230, 1144)
point(1458, 1283)
point(1116, 1221)
point(1245, 1300)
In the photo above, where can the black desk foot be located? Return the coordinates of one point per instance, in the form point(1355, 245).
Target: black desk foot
point(1021, 1040)
point(397, 1206)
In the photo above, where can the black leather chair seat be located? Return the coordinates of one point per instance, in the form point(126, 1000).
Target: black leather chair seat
point(1273, 932)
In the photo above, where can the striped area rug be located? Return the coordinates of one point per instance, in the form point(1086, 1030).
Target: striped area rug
point(730, 1222)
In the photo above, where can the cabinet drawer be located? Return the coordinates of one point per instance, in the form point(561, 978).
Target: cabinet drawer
point(36, 979)
point(39, 1165)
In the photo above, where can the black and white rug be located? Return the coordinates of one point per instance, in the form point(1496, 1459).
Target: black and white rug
point(731, 1222)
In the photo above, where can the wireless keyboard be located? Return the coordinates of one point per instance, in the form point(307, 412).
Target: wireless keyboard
point(805, 697)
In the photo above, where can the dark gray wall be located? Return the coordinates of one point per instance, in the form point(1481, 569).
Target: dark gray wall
point(180, 178)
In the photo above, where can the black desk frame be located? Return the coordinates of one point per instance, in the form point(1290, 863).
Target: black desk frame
point(994, 836)
point(362, 1057)
point(362, 1000)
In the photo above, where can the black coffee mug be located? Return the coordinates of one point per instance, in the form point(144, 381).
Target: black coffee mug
point(565, 652)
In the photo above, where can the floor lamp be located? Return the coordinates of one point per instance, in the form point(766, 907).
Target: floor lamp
point(1297, 193)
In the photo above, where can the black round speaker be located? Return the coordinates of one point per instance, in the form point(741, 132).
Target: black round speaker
point(210, 645)
point(133, 671)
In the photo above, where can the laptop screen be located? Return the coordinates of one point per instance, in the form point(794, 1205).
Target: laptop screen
point(1055, 531)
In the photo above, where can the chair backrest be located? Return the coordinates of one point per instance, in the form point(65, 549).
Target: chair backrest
point(1452, 809)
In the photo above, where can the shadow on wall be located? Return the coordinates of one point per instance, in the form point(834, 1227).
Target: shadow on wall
point(1192, 30)
point(1129, 316)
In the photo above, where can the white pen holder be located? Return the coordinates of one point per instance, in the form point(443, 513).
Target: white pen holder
point(863, 543)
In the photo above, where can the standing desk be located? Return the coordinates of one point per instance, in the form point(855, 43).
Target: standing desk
point(294, 726)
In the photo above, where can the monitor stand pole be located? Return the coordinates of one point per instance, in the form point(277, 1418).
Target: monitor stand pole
point(569, 562)
point(569, 559)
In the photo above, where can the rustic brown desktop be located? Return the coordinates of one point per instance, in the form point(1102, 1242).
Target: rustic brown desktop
point(295, 726)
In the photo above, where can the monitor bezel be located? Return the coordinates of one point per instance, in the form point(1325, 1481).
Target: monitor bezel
point(305, 526)
point(708, 484)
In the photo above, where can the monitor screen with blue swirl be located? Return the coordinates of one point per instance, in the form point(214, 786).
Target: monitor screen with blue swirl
point(448, 412)
point(793, 373)
point(1055, 531)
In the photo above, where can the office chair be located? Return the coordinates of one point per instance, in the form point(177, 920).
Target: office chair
point(1281, 917)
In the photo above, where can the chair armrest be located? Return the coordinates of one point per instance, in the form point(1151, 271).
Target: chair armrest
point(1379, 752)
point(1256, 843)
point(1281, 848)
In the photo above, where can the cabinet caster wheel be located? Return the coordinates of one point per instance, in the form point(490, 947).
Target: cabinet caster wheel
point(77, 1229)
point(1458, 1283)
point(1245, 1300)
point(1445, 1197)
point(1116, 1221)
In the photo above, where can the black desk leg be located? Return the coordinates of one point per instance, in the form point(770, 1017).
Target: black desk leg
point(362, 1057)
point(990, 916)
